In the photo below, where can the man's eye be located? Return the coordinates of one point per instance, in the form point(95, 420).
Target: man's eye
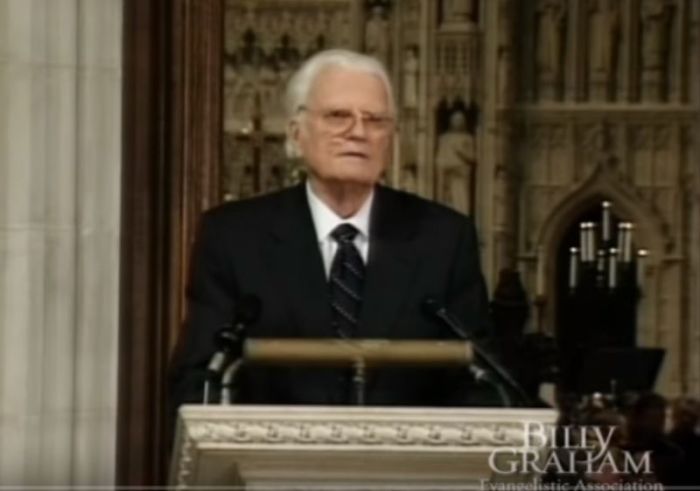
point(338, 114)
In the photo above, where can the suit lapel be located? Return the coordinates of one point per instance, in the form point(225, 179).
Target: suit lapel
point(390, 266)
point(297, 258)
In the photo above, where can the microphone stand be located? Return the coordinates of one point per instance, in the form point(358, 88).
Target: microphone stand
point(228, 380)
point(480, 374)
point(216, 364)
point(359, 381)
point(230, 341)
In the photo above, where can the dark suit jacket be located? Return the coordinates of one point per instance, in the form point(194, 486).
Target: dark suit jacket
point(267, 247)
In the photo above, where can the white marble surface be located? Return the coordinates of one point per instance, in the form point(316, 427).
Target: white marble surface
point(60, 132)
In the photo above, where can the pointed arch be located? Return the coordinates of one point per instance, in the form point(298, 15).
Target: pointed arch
point(651, 232)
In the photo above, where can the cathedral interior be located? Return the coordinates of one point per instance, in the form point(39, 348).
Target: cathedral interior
point(569, 130)
point(566, 128)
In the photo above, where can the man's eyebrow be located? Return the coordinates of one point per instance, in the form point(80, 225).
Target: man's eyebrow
point(346, 108)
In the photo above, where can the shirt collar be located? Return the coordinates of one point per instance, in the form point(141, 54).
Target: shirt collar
point(326, 220)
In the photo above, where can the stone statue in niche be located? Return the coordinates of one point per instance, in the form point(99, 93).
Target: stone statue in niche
point(457, 11)
point(456, 164)
point(341, 29)
point(601, 147)
point(550, 39)
point(377, 34)
point(604, 40)
point(411, 19)
point(504, 75)
point(410, 78)
point(656, 15)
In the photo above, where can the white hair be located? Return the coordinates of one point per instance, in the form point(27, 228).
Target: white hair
point(299, 85)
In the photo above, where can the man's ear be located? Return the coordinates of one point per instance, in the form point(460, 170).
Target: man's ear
point(293, 129)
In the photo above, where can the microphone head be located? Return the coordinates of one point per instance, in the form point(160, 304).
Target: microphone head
point(224, 339)
point(431, 306)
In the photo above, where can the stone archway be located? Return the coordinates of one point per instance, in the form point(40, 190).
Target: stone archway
point(656, 325)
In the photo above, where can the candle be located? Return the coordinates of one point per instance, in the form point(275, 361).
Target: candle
point(620, 236)
point(600, 265)
point(573, 268)
point(630, 239)
point(591, 241)
point(641, 264)
point(627, 243)
point(539, 275)
point(612, 268)
point(582, 240)
point(606, 221)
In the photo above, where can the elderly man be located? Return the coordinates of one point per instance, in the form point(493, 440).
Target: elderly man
point(338, 256)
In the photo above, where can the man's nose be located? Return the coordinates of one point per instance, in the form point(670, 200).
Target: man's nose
point(358, 128)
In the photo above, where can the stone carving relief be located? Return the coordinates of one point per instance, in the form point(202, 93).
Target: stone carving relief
point(264, 42)
point(551, 39)
point(604, 39)
point(504, 76)
point(410, 78)
point(458, 12)
point(655, 165)
point(378, 33)
point(412, 137)
point(456, 164)
point(599, 142)
point(656, 16)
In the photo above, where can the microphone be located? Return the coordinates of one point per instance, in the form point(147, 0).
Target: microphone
point(434, 309)
point(229, 339)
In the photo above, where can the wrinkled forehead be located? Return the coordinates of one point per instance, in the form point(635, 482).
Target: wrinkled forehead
point(342, 87)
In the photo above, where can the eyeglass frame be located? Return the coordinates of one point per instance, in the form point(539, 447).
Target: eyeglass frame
point(369, 120)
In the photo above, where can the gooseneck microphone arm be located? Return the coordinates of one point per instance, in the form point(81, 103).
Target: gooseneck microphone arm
point(229, 341)
point(435, 309)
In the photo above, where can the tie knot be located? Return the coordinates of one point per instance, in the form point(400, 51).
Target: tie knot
point(344, 233)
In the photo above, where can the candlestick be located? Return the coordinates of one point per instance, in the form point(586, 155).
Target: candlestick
point(627, 243)
point(641, 264)
point(620, 237)
point(606, 221)
point(612, 268)
point(582, 240)
point(600, 264)
point(630, 239)
point(591, 241)
point(573, 268)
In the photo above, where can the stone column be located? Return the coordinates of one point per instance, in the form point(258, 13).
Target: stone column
point(60, 94)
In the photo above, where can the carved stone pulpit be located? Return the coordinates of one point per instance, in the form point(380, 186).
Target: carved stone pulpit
point(316, 447)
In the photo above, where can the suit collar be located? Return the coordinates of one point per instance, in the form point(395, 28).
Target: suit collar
point(326, 220)
point(390, 266)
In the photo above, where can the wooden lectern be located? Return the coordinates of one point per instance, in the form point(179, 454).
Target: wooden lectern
point(357, 447)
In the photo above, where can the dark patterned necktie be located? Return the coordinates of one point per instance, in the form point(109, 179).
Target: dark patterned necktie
point(346, 281)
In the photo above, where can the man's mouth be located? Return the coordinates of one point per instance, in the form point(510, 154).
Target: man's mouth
point(354, 154)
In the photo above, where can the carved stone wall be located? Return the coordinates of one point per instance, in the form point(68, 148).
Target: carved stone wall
point(522, 114)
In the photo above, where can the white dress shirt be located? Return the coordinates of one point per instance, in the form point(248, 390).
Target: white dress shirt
point(325, 221)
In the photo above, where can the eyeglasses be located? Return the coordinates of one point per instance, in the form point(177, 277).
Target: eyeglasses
point(339, 121)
